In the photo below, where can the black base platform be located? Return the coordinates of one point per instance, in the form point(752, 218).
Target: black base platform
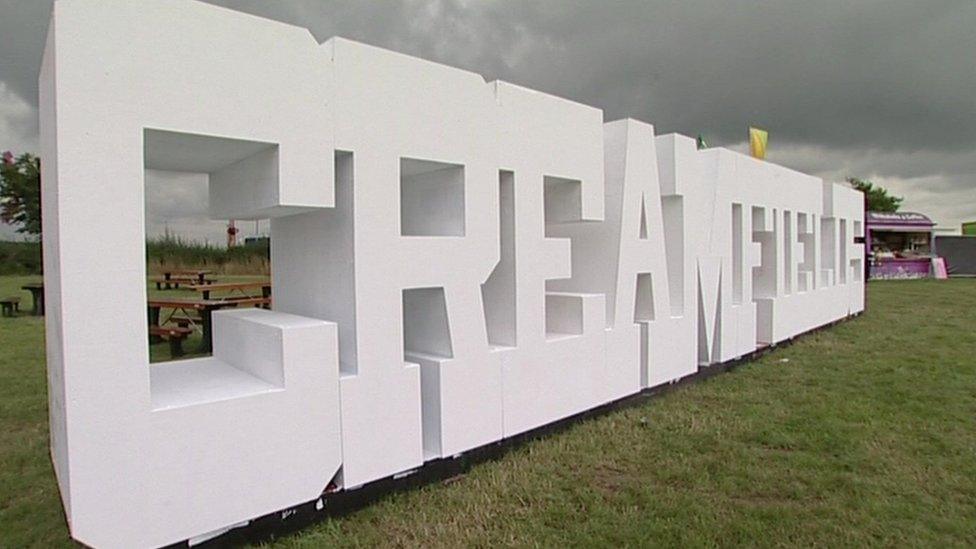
point(340, 502)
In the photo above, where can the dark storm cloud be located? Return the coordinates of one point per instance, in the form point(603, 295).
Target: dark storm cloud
point(883, 88)
point(888, 74)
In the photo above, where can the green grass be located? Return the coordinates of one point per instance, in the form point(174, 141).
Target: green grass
point(865, 436)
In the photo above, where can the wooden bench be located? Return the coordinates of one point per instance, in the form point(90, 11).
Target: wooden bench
point(186, 320)
point(10, 305)
point(174, 334)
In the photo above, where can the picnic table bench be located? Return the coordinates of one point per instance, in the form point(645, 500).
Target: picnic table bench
point(36, 290)
point(10, 305)
point(174, 334)
point(192, 307)
point(237, 290)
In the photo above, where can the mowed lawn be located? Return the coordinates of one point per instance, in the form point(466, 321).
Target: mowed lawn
point(864, 434)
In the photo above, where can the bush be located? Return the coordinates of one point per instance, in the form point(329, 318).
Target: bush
point(20, 258)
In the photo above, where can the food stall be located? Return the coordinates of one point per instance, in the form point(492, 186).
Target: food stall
point(900, 245)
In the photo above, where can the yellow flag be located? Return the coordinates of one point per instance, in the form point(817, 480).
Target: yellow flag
point(757, 142)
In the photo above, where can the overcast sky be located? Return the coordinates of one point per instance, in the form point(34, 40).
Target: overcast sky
point(880, 89)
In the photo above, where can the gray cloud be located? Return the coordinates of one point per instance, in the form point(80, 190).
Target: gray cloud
point(936, 182)
point(874, 88)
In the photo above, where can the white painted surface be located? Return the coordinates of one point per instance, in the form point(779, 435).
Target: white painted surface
point(455, 262)
point(214, 453)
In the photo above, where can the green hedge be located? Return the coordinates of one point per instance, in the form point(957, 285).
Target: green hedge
point(20, 258)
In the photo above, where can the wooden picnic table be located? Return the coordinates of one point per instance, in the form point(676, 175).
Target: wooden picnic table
point(195, 273)
point(37, 294)
point(204, 308)
point(174, 277)
point(240, 288)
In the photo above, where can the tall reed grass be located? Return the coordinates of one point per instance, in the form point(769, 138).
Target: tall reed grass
point(173, 252)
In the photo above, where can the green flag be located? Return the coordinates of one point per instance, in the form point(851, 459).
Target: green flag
point(702, 144)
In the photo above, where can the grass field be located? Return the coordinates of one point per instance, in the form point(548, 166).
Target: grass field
point(864, 434)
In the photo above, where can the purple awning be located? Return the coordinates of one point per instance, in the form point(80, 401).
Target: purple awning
point(907, 219)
